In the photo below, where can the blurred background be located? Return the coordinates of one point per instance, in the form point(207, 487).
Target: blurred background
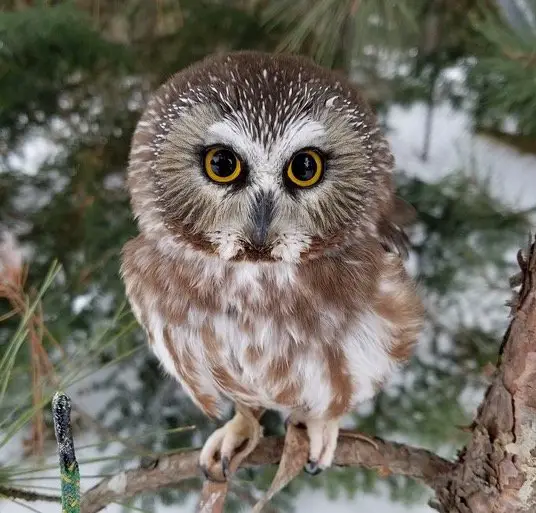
point(453, 84)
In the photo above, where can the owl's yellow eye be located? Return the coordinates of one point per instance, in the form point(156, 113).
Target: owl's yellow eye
point(222, 165)
point(305, 168)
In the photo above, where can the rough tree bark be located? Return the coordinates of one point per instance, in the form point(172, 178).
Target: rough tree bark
point(387, 458)
point(494, 473)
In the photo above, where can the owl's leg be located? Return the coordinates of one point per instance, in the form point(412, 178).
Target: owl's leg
point(322, 444)
point(225, 449)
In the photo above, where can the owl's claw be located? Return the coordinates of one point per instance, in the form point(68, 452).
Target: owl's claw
point(322, 444)
point(226, 447)
point(225, 463)
point(210, 477)
point(312, 468)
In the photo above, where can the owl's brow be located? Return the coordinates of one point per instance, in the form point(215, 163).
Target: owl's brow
point(299, 133)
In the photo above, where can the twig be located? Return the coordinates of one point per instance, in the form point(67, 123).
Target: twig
point(70, 475)
point(25, 495)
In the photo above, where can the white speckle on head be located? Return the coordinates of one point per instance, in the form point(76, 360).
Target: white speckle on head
point(331, 101)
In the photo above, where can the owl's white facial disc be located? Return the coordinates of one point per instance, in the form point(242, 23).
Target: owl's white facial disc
point(257, 114)
point(266, 160)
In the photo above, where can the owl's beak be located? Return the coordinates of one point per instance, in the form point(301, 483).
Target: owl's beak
point(262, 216)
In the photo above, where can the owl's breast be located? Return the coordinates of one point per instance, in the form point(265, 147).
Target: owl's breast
point(269, 338)
point(269, 359)
point(258, 360)
point(259, 356)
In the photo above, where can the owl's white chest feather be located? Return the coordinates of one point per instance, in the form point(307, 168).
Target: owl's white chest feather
point(364, 344)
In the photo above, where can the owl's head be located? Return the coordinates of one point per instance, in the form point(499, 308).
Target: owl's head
point(257, 156)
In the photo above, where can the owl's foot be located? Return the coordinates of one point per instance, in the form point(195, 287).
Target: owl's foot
point(227, 447)
point(322, 444)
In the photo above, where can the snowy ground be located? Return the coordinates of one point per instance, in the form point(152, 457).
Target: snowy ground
point(512, 177)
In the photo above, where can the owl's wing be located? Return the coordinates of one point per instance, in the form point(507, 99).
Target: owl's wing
point(392, 235)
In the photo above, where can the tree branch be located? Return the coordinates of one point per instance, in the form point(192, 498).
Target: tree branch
point(388, 458)
point(17, 493)
point(496, 472)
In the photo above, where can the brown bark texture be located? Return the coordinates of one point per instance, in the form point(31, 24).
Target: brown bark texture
point(168, 471)
point(496, 471)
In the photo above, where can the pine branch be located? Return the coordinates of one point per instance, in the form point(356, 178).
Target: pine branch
point(168, 471)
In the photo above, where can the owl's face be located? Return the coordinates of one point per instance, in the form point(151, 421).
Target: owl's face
point(253, 156)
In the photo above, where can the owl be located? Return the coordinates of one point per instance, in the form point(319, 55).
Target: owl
point(268, 272)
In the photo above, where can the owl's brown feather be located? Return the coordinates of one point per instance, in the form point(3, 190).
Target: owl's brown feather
point(174, 289)
point(315, 319)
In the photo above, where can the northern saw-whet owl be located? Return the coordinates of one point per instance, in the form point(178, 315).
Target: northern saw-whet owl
point(268, 271)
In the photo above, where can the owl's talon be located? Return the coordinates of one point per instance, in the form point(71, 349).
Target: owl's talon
point(312, 468)
point(225, 462)
point(322, 443)
point(210, 477)
point(226, 447)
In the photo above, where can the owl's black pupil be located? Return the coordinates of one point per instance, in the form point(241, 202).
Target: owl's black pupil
point(223, 163)
point(304, 166)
